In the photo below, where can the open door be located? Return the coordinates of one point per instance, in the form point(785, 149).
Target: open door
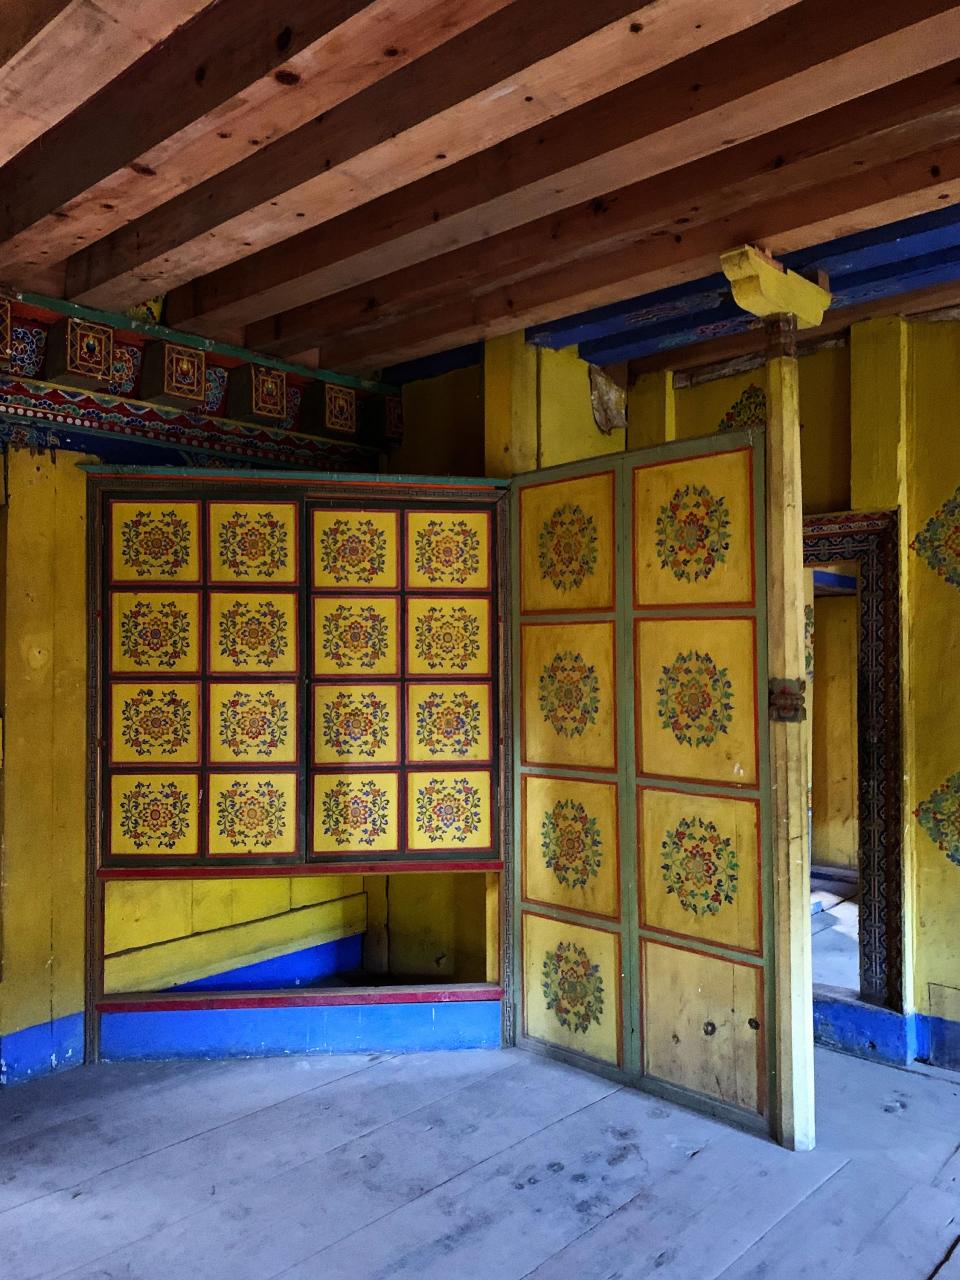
point(643, 907)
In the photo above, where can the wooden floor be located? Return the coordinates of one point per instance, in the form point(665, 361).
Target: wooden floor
point(461, 1165)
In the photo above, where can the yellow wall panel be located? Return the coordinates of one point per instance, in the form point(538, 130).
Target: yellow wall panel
point(140, 913)
point(568, 429)
point(568, 695)
point(835, 774)
point(570, 845)
point(566, 545)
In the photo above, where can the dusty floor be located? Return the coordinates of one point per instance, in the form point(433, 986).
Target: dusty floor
point(462, 1165)
point(834, 922)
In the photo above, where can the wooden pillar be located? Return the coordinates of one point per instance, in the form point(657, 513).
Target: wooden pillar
point(510, 406)
point(651, 410)
point(794, 1100)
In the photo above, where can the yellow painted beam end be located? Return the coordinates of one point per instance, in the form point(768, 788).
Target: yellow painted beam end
point(764, 288)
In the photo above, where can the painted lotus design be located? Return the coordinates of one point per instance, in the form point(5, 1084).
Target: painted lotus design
point(695, 699)
point(154, 815)
point(253, 634)
point(938, 542)
point(155, 722)
point(447, 637)
point(155, 546)
point(693, 533)
point(447, 552)
point(939, 816)
point(355, 813)
point(448, 810)
point(567, 547)
point(155, 634)
point(354, 636)
point(252, 814)
point(571, 844)
point(253, 723)
point(569, 694)
point(253, 544)
point(448, 723)
point(353, 551)
point(355, 724)
point(748, 410)
point(573, 987)
point(699, 866)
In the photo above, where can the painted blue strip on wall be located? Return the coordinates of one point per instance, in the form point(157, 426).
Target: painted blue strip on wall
point(302, 968)
point(883, 1035)
point(240, 1033)
point(40, 1050)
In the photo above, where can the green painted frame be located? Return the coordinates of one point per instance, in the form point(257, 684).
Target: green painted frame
point(631, 1072)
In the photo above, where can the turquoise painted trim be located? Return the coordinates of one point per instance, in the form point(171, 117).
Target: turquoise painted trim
point(882, 1035)
point(126, 323)
point(42, 1049)
point(243, 1033)
point(315, 477)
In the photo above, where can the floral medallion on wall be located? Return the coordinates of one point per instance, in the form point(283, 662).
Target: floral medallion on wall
point(573, 987)
point(447, 552)
point(449, 810)
point(155, 722)
point(693, 533)
point(447, 637)
point(28, 343)
point(567, 547)
point(699, 866)
point(356, 724)
point(355, 636)
point(748, 410)
point(695, 699)
point(569, 694)
point(571, 844)
point(356, 813)
point(938, 542)
point(448, 723)
point(154, 815)
point(155, 635)
point(253, 634)
point(939, 815)
point(253, 545)
point(257, 723)
point(353, 552)
point(251, 814)
point(155, 547)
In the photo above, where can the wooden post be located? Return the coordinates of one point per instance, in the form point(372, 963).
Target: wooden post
point(651, 410)
point(510, 406)
point(794, 1089)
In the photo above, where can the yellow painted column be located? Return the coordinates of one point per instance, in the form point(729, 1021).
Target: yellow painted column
point(510, 406)
point(651, 410)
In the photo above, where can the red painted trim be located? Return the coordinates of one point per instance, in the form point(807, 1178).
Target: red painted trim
point(560, 607)
point(492, 493)
point(222, 872)
point(360, 588)
point(312, 999)
point(263, 584)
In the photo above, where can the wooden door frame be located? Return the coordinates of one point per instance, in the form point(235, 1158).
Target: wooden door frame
point(872, 540)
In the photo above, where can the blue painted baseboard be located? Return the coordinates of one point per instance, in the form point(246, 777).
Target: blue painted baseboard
point(302, 968)
point(40, 1050)
point(883, 1035)
point(240, 1033)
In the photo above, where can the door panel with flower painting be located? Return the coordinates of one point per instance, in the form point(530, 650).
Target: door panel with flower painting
point(641, 768)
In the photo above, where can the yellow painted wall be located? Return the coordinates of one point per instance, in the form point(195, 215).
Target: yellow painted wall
point(443, 426)
point(835, 816)
point(42, 793)
point(702, 408)
point(568, 430)
point(427, 926)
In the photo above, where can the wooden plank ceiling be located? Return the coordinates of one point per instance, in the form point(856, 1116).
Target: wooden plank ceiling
point(360, 182)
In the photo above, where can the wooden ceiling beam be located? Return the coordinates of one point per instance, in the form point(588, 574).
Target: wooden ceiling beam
point(833, 144)
point(534, 60)
point(43, 78)
point(886, 193)
point(242, 74)
point(807, 58)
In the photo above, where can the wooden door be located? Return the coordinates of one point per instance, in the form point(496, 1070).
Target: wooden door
point(642, 905)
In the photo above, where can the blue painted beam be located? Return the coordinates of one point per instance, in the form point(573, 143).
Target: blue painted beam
point(434, 365)
point(834, 584)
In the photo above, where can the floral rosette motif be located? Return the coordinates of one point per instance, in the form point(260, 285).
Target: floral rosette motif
point(354, 636)
point(448, 723)
point(573, 987)
point(699, 866)
point(353, 551)
point(253, 634)
point(693, 533)
point(569, 694)
point(570, 843)
point(447, 637)
point(154, 815)
point(748, 410)
point(939, 816)
point(808, 616)
point(568, 547)
point(938, 542)
point(356, 724)
point(695, 699)
point(155, 722)
point(447, 551)
point(448, 810)
point(253, 722)
point(155, 635)
point(253, 545)
point(251, 815)
point(155, 547)
point(355, 813)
